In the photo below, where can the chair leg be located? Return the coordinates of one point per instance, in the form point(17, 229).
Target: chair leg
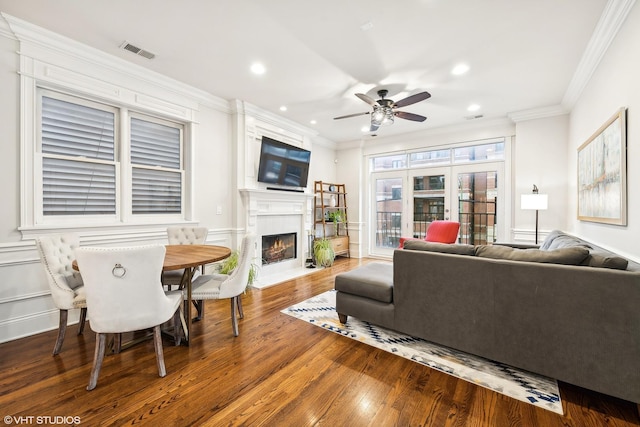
point(157, 341)
point(240, 310)
point(117, 343)
point(234, 318)
point(98, 357)
point(62, 329)
point(177, 325)
point(83, 319)
point(199, 305)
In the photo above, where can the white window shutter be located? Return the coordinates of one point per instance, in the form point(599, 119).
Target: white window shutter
point(78, 146)
point(156, 168)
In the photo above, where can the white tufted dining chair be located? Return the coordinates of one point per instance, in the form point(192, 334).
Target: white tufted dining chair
point(179, 235)
point(66, 286)
point(124, 294)
point(222, 286)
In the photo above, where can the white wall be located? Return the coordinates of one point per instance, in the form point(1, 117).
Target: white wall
point(352, 173)
point(323, 164)
point(614, 84)
point(540, 158)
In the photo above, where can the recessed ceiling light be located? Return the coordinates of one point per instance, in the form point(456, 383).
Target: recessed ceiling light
point(258, 68)
point(283, 108)
point(473, 107)
point(460, 69)
point(313, 122)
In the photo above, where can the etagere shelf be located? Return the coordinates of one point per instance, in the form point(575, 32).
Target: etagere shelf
point(331, 216)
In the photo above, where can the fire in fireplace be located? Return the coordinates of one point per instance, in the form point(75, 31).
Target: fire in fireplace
point(278, 247)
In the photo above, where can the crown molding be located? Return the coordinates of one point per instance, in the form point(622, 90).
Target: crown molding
point(243, 107)
point(33, 38)
point(610, 22)
point(538, 113)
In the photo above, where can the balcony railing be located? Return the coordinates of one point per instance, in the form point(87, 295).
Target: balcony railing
point(476, 228)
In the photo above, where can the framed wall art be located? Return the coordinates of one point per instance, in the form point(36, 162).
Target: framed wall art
point(602, 173)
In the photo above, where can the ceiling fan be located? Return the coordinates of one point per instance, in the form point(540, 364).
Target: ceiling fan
point(384, 110)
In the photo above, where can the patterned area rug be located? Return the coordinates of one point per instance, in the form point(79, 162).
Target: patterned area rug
point(521, 385)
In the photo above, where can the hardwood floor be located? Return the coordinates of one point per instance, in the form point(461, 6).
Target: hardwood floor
point(280, 371)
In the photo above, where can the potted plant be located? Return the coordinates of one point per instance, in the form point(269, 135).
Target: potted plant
point(229, 264)
point(323, 252)
point(335, 216)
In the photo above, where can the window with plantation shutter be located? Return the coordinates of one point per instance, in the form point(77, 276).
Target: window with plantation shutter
point(156, 167)
point(90, 171)
point(78, 159)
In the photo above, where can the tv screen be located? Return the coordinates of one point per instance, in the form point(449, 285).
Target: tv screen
point(283, 164)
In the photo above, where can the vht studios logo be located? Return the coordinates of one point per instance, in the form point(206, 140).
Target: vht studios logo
point(41, 419)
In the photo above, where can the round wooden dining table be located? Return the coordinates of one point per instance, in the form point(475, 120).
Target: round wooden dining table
point(189, 258)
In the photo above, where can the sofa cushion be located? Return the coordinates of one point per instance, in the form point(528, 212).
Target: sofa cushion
point(374, 280)
point(568, 256)
point(558, 239)
point(421, 245)
point(606, 260)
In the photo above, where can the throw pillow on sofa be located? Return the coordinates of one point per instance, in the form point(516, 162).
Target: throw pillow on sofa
point(604, 260)
point(445, 248)
point(567, 256)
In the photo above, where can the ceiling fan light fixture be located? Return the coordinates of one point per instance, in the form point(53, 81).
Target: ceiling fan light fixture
point(377, 116)
point(382, 116)
point(388, 116)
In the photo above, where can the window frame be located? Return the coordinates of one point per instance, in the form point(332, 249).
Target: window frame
point(122, 160)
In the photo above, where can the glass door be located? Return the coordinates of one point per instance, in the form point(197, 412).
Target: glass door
point(387, 211)
point(479, 192)
point(429, 198)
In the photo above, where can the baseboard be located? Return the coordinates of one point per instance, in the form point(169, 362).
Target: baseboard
point(20, 327)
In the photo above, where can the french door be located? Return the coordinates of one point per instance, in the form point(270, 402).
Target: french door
point(407, 201)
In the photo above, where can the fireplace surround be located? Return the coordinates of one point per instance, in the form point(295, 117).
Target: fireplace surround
point(272, 212)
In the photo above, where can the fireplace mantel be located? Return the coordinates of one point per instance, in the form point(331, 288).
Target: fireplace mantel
point(273, 211)
point(276, 202)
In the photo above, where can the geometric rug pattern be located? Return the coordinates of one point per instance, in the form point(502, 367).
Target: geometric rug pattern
point(525, 386)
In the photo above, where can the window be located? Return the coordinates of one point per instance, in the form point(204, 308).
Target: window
point(396, 161)
point(78, 159)
point(474, 153)
point(429, 158)
point(156, 174)
point(89, 171)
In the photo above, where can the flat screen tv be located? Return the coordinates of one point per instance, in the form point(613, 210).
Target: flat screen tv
point(283, 164)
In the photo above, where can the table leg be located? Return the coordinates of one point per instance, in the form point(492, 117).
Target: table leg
point(186, 282)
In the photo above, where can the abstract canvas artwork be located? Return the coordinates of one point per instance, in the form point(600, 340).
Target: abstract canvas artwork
point(602, 170)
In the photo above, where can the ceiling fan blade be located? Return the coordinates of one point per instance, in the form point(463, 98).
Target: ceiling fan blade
point(410, 116)
point(367, 99)
point(351, 115)
point(413, 99)
point(374, 127)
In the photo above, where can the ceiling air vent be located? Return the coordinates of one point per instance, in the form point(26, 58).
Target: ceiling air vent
point(134, 49)
point(473, 117)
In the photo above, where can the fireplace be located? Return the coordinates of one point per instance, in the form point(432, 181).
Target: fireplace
point(273, 213)
point(279, 247)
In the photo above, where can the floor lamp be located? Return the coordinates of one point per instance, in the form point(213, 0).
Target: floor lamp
point(534, 201)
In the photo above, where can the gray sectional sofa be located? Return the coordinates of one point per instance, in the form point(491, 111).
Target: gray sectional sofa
point(568, 309)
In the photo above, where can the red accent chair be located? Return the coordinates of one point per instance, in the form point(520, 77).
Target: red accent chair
point(439, 232)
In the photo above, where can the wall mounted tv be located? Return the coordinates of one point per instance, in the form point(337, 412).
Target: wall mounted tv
point(283, 164)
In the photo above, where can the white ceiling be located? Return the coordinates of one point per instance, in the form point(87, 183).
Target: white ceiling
point(522, 54)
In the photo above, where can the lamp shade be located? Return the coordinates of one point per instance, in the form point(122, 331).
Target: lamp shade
point(533, 202)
